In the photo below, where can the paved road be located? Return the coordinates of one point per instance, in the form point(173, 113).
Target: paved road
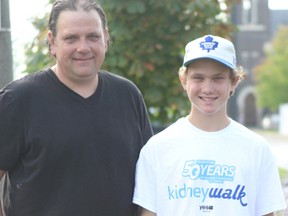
point(279, 145)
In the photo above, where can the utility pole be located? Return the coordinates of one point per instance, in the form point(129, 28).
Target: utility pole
point(6, 65)
point(6, 60)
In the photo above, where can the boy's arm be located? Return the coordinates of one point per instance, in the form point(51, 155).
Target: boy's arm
point(145, 212)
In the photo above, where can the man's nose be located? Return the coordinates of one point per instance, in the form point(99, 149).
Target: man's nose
point(83, 46)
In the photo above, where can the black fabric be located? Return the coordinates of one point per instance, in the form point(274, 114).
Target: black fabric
point(67, 155)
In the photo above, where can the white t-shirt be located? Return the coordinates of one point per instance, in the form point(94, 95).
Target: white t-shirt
point(185, 171)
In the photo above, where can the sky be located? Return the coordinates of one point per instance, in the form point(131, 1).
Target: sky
point(22, 30)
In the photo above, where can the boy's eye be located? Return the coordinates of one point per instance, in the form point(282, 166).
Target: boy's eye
point(219, 78)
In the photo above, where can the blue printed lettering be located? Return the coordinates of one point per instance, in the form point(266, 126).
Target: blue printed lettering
point(214, 193)
point(205, 193)
point(183, 192)
point(227, 194)
point(197, 192)
point(238, 193)
point(235, 193)
point(208, 170)
point(241, 195)
point(170, 193)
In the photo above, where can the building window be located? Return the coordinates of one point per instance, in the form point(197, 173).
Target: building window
point(250, 11)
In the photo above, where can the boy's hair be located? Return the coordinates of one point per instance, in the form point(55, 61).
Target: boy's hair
point(238, 72)
point(235, 73)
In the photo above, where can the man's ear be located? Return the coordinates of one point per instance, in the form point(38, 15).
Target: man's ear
point(51, 43)
point(106, 39)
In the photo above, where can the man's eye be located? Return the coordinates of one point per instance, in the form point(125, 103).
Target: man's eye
point(70, 39)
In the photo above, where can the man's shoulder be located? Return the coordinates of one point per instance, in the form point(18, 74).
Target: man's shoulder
point(106, 75)
point(118, 83)
point(30, 84)
point(29, 80)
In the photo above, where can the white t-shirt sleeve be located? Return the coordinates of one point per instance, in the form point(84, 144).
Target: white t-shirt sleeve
point(145, 183)
point(270, 194)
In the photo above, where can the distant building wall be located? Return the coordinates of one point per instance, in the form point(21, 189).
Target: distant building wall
point(256, 28)
point(252, 18)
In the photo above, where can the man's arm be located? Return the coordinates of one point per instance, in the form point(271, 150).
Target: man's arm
point(1, 175)
point(270, 214)
point(145, 212)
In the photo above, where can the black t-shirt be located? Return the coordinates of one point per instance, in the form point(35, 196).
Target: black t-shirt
point(67, 155)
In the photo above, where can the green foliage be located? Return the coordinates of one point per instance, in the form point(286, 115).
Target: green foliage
point(148, 39)
point(272, 74)
point(37, 52)
point(283, 173)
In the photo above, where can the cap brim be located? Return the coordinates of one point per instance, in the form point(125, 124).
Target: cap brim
point(213, 58)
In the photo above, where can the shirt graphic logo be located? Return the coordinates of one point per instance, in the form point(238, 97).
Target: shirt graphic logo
point(208, 170)
point(215, 176)
point(208, 44)
point(177, 192)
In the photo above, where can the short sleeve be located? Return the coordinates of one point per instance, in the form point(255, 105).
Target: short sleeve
point(145, 183)
point(270, 197)
point(145, 121)
point(10, 131)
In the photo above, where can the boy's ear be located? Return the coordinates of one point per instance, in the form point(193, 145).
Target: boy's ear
point(234, 86)
point(235, 82)
point(183, 81)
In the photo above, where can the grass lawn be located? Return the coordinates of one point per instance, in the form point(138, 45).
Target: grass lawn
point(283, 173)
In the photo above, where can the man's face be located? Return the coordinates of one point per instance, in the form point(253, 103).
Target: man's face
point(79, 46)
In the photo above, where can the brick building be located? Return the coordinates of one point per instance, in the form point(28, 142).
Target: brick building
point(256, 27)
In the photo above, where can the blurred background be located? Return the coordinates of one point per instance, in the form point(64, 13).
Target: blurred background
point(148, 39)
point(147, 46)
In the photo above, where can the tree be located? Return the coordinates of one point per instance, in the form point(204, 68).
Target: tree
point(148, 39)
point(272, 74)
point(37, 52)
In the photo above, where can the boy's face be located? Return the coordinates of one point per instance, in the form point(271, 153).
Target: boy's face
point(208, 85)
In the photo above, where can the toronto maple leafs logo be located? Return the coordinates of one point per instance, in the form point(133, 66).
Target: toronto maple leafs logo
point(209, 44)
